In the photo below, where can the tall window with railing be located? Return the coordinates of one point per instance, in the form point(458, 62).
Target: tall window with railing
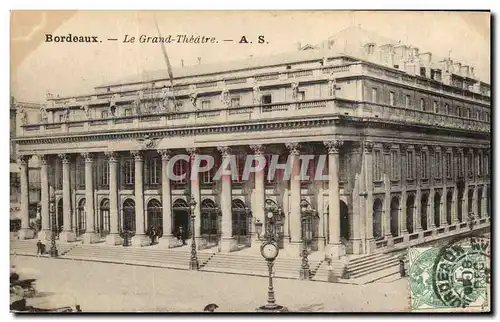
point(103, 173)
point(437, 164)
point(80, 168)
point(410, 165)
point(448, 168)
point(460, 168)
point(394, 165)
point(423, 165)
point(154, 171)
point(129, 171)
point(470, 165)
point(374, 95)
point(181, 167)
point(377, 165)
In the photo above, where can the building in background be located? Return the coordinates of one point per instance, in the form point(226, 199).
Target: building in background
point(407, 137)
point(32, 113)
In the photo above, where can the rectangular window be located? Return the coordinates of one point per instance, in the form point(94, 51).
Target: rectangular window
point(181, 168)
point(154, 170)
point(129, 171)
point(422, 71)
point(59, 118)
point(460, 167)
point(447, 109)
point(103, 173)
point(207, 176)
point(267, 99)
point(205, 105)
point(468, 113)
point(407, 101)
point(240, 166)
point(436, 107)
point(409, 165)
point(478, 115)
point(392, 100)
point(422, 104)
point(469, 165)
point(486, 165)
point(127, 112)
point(81, 173)
point(301, 95)
point(377, 173)
point(423, 165)
point(235, 102)
point(394, 165)
point(104, 114)
point(448, 165)
point(479, 166)
point(437, 164)
point(374, 95)
point(459, 111)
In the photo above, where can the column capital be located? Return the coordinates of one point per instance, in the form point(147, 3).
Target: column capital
point(224, 150)
point(333, 146)
point(64, 157)
point(23, 159)
point(138, 155)
point(368, 146)
point(294, 148)
point(88, 156)
point(386, 146)
point(111, 155)
point(165, 154)
point(192, 153)
point(258, 149)
point(403, 147)
point(458, 150)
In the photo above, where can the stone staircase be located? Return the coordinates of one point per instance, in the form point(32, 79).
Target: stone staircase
point(28, 247)
point(321, 273)
point(284, 267)
point(141, 256)
point(371, 267)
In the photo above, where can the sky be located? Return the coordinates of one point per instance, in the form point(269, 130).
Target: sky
point(67, 69)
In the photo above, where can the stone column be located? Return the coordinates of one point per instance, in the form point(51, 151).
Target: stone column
point(321, 222)
point(402, 213)
point(484, 202)
point(431, 223)
point(196, 194)
point(334, 248)
point(67, 235)
point(90, 236)
point(418, 195)
point(166, 201)
point(295, 223)
point(45, 232)
point(113, 238)
point(26, 232)
point(357, 204)
point(140, 238)
point(386, 212)
point(259, 194)
point(228, 242)
point(454, 206)
point(368, 169)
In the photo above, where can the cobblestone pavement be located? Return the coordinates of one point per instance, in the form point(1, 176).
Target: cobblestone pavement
point(123, 288)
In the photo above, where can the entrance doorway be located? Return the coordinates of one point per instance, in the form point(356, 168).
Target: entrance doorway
point(129, 216)
point(410, 208)
point(345, 227)
point(394, 217)
point(210, 225)
point(479, 201)
point(155, 218)
point(81, 220)
point(377, 219)
point(241, 220)
point(180, 227)
point(104, 218)
point(309, 222)
point(60, 216)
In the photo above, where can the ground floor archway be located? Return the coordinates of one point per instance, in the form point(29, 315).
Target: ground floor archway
point(181, 223)
point(210, 223)
point(128, 210)
point(394, 217)
point(377, 219)
point(241, 221)
point(81, 218)
point(423, 211)
point(449, 203)
point(60, 216)
point(437, 209)
point(104, 218)
point(155, 216)
point(345, 226)
point(410, 208)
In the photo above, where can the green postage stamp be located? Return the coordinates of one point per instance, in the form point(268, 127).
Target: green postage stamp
point(454, 277)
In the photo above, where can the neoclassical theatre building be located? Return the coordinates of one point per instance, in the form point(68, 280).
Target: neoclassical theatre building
point(406, 137)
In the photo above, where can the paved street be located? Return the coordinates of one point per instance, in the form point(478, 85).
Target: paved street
point(114, 287)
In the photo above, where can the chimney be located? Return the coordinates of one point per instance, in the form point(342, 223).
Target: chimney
point(199, 60)
point(471, 71)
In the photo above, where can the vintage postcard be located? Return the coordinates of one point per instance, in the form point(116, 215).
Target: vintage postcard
point(250, 161)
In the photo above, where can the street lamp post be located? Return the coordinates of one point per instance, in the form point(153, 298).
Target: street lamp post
point(52, 211)
point(305, 270)
point(269, 250)
point(193, 261)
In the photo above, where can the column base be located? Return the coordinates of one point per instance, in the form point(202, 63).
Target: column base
point(114, 239)
point(335, 251)
point(228, 244)
point(26, 233)
point(293, 248)
point(44, 235)
point(168, 241)
point(67, 236)
point(357, 247)
point(90, 238)
point(370, 246)
point(321, 244)
point(140, 240)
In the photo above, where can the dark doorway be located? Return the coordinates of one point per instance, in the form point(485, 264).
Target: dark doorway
point(210, 226)
point(449, 203)
point(437, 209)
point(155, 218)
point(394, 217)
point(377, 219)
point(181, 227)
point(479, 201)
point(345, 227)
point(241, 222)
point(460, 202)
point(104, 222)
point(410, 208)
point(129, 216)
point(423, 211)
point(60, 216)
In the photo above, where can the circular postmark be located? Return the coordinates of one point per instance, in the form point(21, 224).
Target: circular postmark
point(461, 273)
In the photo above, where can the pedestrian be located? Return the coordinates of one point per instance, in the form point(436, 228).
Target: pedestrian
point(180, 236)
point(39, 248)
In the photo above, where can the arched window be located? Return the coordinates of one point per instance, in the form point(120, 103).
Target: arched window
point(449, 203)
point(209, 220)
point(423, 211)
point(104, 226)
point(82, 224)
point(410, 207)
point(437, 209)
point(240, 221)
